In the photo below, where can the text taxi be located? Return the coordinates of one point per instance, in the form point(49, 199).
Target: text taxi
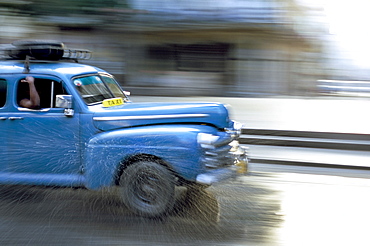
point(81, 130)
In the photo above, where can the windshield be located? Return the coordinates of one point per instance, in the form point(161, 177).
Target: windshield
point(96, 88)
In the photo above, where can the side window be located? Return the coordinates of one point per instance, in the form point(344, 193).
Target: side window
point(47, 90)
point(3, 90)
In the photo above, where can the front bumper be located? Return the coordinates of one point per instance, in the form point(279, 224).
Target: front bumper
point(217, 175)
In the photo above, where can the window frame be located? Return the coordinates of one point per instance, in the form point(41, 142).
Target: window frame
point(2, 105)
point(48, 91)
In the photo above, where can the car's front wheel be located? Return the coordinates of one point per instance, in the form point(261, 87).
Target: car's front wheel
point(148, 189)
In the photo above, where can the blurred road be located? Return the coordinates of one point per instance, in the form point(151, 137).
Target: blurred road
point(277, 206)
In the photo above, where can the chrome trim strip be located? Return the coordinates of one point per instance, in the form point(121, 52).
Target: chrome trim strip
point(33, 110)
point(151, 117)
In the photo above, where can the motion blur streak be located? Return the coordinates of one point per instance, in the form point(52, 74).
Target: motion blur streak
point(207, 48)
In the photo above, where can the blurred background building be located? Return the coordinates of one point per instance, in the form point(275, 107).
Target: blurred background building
point(199, 48)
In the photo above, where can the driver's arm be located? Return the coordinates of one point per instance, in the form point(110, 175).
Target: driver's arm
point(34, 100)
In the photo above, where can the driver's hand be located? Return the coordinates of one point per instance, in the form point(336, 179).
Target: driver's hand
point(29, 79)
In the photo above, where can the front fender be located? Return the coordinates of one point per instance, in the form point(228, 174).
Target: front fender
point(176, 145)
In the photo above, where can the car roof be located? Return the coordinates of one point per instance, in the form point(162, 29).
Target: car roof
point(57, 68)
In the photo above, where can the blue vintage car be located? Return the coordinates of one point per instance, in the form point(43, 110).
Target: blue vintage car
point(87, 133)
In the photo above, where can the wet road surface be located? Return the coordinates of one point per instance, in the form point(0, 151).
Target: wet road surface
point(267, 207)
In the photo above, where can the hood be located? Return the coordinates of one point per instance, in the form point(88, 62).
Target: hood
point(138, 114)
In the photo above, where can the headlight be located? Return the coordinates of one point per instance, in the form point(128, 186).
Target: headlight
point(208, 139)
point(236, 129)
point(238, 125)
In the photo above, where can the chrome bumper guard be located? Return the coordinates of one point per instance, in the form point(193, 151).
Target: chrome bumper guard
point(217, 175)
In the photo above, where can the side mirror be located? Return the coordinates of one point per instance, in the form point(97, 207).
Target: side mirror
point(65, 101)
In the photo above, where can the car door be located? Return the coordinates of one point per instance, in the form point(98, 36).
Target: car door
point(43, 140)
point(3, 124)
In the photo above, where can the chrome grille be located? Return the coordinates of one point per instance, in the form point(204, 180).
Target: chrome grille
point(219, 154)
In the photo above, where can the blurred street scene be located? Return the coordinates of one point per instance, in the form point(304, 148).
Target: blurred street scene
point(206, 48)
point(295, 72)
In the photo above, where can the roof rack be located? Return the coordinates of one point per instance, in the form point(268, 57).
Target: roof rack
point(42, 50)
point(79, 54)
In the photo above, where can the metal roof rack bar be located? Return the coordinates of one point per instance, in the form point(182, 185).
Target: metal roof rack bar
point(79, 54)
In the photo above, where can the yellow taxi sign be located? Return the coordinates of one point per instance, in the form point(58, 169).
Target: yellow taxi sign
point(112, 102)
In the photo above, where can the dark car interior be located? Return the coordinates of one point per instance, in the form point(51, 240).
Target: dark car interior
point(47, 89)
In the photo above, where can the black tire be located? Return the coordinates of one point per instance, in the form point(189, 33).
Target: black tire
point(147, 189)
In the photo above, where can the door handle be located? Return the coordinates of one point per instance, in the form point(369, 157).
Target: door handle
point(15, 118)
point(3, 118)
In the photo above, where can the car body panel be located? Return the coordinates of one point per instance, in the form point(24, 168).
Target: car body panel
point(118, 146)
point(137, 114)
